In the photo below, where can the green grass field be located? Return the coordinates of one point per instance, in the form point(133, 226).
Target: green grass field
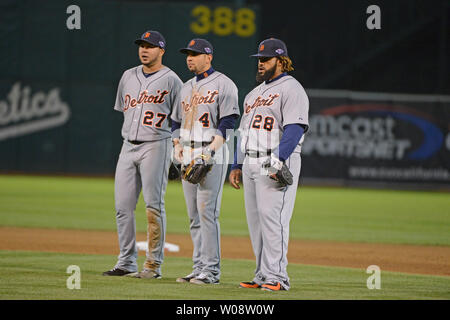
point(378, 216)
point(382, 216)
point(43, 275)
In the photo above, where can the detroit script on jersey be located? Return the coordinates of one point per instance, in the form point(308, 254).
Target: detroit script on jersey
point(197, 99)
point(268, 108)
point(146, 103)
point(144, 97)
point(260, 101)
point(190, 109)
point(202, 104)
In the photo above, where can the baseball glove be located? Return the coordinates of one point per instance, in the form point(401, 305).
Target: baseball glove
point(283, 176)
point(174, 171)
point(197, 169)
point(278, 171)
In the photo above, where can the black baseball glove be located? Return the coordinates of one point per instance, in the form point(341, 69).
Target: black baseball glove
point(283, 176)
point(197, 169)
point(278, 171)
point(174, 171)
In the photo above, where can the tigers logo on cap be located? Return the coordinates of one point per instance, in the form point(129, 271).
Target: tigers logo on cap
point(152, 37)
point(198, 45)
point(271, 48)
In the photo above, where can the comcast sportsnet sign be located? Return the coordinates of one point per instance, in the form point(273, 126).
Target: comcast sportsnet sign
point(24, 111)
point(371, 131)
point(393, 140)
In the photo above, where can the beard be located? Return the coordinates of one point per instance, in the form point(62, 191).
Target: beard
point(260, 78)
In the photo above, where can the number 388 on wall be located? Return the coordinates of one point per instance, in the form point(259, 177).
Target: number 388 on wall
point(223, 21)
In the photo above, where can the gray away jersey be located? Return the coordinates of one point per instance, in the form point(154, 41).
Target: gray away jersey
point(270, 107)
point(202, 104)
point(147, 103)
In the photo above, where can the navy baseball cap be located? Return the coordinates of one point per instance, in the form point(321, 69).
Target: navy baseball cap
point(152, 37)
point(271, 48)
point(199, 46)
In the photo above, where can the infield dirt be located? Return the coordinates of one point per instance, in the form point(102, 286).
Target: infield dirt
point(434, 260)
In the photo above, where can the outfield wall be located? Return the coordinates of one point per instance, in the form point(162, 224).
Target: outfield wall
point(355, 138)
point(58, 85)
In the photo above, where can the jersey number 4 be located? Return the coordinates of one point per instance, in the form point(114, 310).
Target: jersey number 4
point(268, 122)
point(204, 119)
point(148, 119)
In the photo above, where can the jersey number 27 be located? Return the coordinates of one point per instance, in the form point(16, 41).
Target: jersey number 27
point(148, 119)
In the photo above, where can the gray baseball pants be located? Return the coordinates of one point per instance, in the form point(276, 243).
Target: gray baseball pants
point(269, 208)
point(142, 167)
point(203, 203)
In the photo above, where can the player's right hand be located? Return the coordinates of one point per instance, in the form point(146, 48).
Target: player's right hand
point(235, 178)
point(178, 153)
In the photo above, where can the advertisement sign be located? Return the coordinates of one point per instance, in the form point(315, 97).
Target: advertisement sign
point(377, 137)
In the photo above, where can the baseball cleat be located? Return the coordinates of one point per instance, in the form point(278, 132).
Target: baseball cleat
point(272, 286)
point(147, 274)
point(117, 272)
point(204, 279)
point(249, 285)
point(187, 278)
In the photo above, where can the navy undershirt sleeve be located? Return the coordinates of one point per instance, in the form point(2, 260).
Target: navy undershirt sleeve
point(235, 164)
point(290, 139)
point(175, 125)
point(227, 122)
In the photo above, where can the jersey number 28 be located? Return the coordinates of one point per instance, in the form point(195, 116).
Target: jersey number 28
point(268, 122)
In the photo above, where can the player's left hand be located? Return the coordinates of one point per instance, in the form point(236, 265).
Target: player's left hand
point(272, 165)
point(277, 170)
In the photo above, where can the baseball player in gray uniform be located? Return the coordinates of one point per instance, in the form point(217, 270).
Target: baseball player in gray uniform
point(145, 95)
point(274, 119)
point(207, 111)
